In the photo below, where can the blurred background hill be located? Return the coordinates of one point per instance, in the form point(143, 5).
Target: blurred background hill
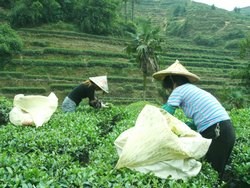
point(62, 43)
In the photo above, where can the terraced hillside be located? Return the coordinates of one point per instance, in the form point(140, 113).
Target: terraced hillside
point(198, 18)
point(59, 60)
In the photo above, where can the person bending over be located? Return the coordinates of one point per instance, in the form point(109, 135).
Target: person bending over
point(208, 116)
point(86, 90)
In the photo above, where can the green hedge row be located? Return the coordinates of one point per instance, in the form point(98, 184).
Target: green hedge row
point(130, 87)
point(194, 56)
point(23, 90)
point(206, 64)
point(62, 86)
point(198, 61)
point(65, 51)
point(181, 48)
point(71, 34)
point(218, 77)
point(83, 52)
point(91, 63)
point(11, 74)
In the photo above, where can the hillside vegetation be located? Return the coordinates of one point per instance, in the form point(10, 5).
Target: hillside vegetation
point(77, 149)
point(56, 57)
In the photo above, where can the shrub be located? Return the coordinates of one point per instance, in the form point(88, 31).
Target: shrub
point(179, 11)
point(10, 44)
point(179, 28)
point(214, 27)
point(240, 165)
point(235, 34)
point(232, 98)
point(40, 43)
point(5, 108)
point(206, 40)
point(7, 3)
point(232, 44)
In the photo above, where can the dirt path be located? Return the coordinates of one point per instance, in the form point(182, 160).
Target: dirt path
point(226, 24)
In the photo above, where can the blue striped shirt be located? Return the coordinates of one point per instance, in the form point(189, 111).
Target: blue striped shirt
point(198, 104)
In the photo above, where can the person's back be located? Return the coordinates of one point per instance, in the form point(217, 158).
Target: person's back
point(199, 105)
point(82, 91)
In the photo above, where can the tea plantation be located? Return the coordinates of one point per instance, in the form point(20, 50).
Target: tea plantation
point(77, 150)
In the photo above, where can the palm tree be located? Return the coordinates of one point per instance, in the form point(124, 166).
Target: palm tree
point(133, 2)
point(125, 10)
point(145, 44)
point(132, 9)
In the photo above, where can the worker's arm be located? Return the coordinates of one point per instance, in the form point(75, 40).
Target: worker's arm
point(191, 125)
point(170, 109)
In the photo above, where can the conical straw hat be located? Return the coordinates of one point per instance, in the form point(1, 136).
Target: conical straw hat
point(101, 81)
point(176, 69)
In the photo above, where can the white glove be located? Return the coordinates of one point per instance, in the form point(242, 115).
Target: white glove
point(106, 105)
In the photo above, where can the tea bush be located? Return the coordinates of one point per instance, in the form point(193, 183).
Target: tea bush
point(5, 107)
point(77, 150)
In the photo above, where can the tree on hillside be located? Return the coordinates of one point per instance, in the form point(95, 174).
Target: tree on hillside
point(179, 11)
point(145, 44)
point(125, 10)
point(132, 9)
point(245, 48)
point(31, 13)
point(97, 17)
point(133, 2)
point(236, 10)
point(67, 8)
point(10, 44)
point(245, 54)
point(7, 3)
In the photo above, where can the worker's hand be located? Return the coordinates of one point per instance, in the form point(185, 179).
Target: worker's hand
point(106, 105)
point(191, 125)
point(95, 104)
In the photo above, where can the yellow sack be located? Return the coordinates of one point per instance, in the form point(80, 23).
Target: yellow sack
point(162, 144)
point(33, 109)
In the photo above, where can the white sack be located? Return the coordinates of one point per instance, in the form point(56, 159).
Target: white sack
point(34, 109)
point(162, 144)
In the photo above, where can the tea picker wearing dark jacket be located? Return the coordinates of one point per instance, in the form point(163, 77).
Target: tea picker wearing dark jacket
point(86, 90)
point(208, 116)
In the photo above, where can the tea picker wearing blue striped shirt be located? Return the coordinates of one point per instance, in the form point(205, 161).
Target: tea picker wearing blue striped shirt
point(208, 116)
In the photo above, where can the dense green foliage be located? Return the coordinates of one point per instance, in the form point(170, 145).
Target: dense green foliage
point(7, 3)
point(32, 13)
point(77, 150)
point(95, 17)
point(243, 73)
point(240, 157)
point(5, 107)
point(10, 43)
point(245, 54)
